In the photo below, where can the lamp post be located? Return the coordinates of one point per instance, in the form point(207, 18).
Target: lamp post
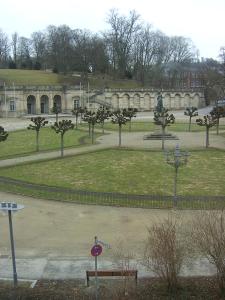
point(11, 207)
point(176, 158)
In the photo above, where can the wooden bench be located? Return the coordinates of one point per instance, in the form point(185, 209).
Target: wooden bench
point(112, 273)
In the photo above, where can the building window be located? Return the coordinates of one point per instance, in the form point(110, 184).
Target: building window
point(76, 103)
point(12, 105)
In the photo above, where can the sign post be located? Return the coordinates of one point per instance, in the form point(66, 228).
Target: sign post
point(11, 207)
point(96, 250)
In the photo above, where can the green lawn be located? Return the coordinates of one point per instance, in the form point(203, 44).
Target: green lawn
point(31, 77)
point(36, 77)
point(23, 142)
point(150, 126)
point(128, 171)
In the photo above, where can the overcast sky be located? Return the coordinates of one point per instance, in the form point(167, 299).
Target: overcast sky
point(201, 20)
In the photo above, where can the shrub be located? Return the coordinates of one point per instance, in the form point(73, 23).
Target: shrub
point(209, 237)
point(165, 252)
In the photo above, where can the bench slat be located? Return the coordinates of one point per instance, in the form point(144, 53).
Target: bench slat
point(108, 273)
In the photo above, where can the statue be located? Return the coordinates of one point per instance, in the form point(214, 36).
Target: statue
point(159, 106)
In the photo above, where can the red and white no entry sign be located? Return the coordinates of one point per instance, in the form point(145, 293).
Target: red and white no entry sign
point(96, 250)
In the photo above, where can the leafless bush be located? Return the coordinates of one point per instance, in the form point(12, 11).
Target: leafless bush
point(165, 251)
point(124, 259)
point(209, 237)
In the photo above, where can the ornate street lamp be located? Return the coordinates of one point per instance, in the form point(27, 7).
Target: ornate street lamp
point(176, 158)
point(11, 207)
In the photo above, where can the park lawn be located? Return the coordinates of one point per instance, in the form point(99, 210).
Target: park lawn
point(138, 126)
point(128, 172)
point(23, 142)
point(30, 77)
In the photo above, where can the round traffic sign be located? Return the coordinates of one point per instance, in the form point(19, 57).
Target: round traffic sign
point(96, 250)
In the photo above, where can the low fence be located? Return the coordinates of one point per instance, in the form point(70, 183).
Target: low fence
point(112, 199)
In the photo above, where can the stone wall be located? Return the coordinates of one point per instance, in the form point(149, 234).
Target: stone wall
point(29, 100)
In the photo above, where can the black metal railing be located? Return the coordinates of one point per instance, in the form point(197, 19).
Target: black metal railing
point(112, 199)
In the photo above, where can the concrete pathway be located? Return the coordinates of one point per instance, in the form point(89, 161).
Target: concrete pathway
point(71, 268)
point(54, 239)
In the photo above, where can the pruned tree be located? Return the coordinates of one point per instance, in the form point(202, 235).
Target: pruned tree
point(130, 113)
point(208, 236)
point(103, 114)
point(191, 112)
point(39, 123)
point(217, 112)
point(3, 134)
point(62, 127)
point(56, 110)
point(78, 111)
point(165, 251)
point(119, 118)
point(208, 121)
point(163, 119)
point(91, 118)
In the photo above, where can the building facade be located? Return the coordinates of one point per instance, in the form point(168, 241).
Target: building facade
point(18, 101)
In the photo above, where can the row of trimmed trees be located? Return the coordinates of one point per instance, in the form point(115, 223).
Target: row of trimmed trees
point(208, 121)
point(164, 119)
point(119, 117)
point(92, 118)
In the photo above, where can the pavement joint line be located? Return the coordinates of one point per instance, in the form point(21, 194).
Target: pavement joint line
point(32, 281)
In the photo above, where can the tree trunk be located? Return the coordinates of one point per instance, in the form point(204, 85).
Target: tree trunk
point(175, 188)
point(217, 126)
point(120, 127)
point(130, 126)
point(92, 134)
point(163, 137)
point(189, 124)
point(62, 146)
point(89, 129)
point(76, 121)
point(207, 137)
point(37, 140)
point(56, 117)
point(103, 127)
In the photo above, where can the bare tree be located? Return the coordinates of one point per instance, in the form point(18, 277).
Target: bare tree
point(217, 112)
point(24, 53)
point(118, 117)
point(121, 38)
point(92, 119)
point(209, 237)
point(4, 49)
point(164, 119)
point(62, 127)
point(124, 259)
point(191, 112)
point(165, 251)
point(208, 121)
point(39, 48)
point(38, 123)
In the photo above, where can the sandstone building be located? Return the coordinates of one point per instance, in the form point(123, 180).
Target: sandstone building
point(18, 101)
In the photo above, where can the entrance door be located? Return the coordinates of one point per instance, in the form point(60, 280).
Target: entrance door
point(29, 108)
point(42, 108)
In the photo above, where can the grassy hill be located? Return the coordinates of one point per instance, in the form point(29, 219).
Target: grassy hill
point(33, 77)
point(30, 77)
